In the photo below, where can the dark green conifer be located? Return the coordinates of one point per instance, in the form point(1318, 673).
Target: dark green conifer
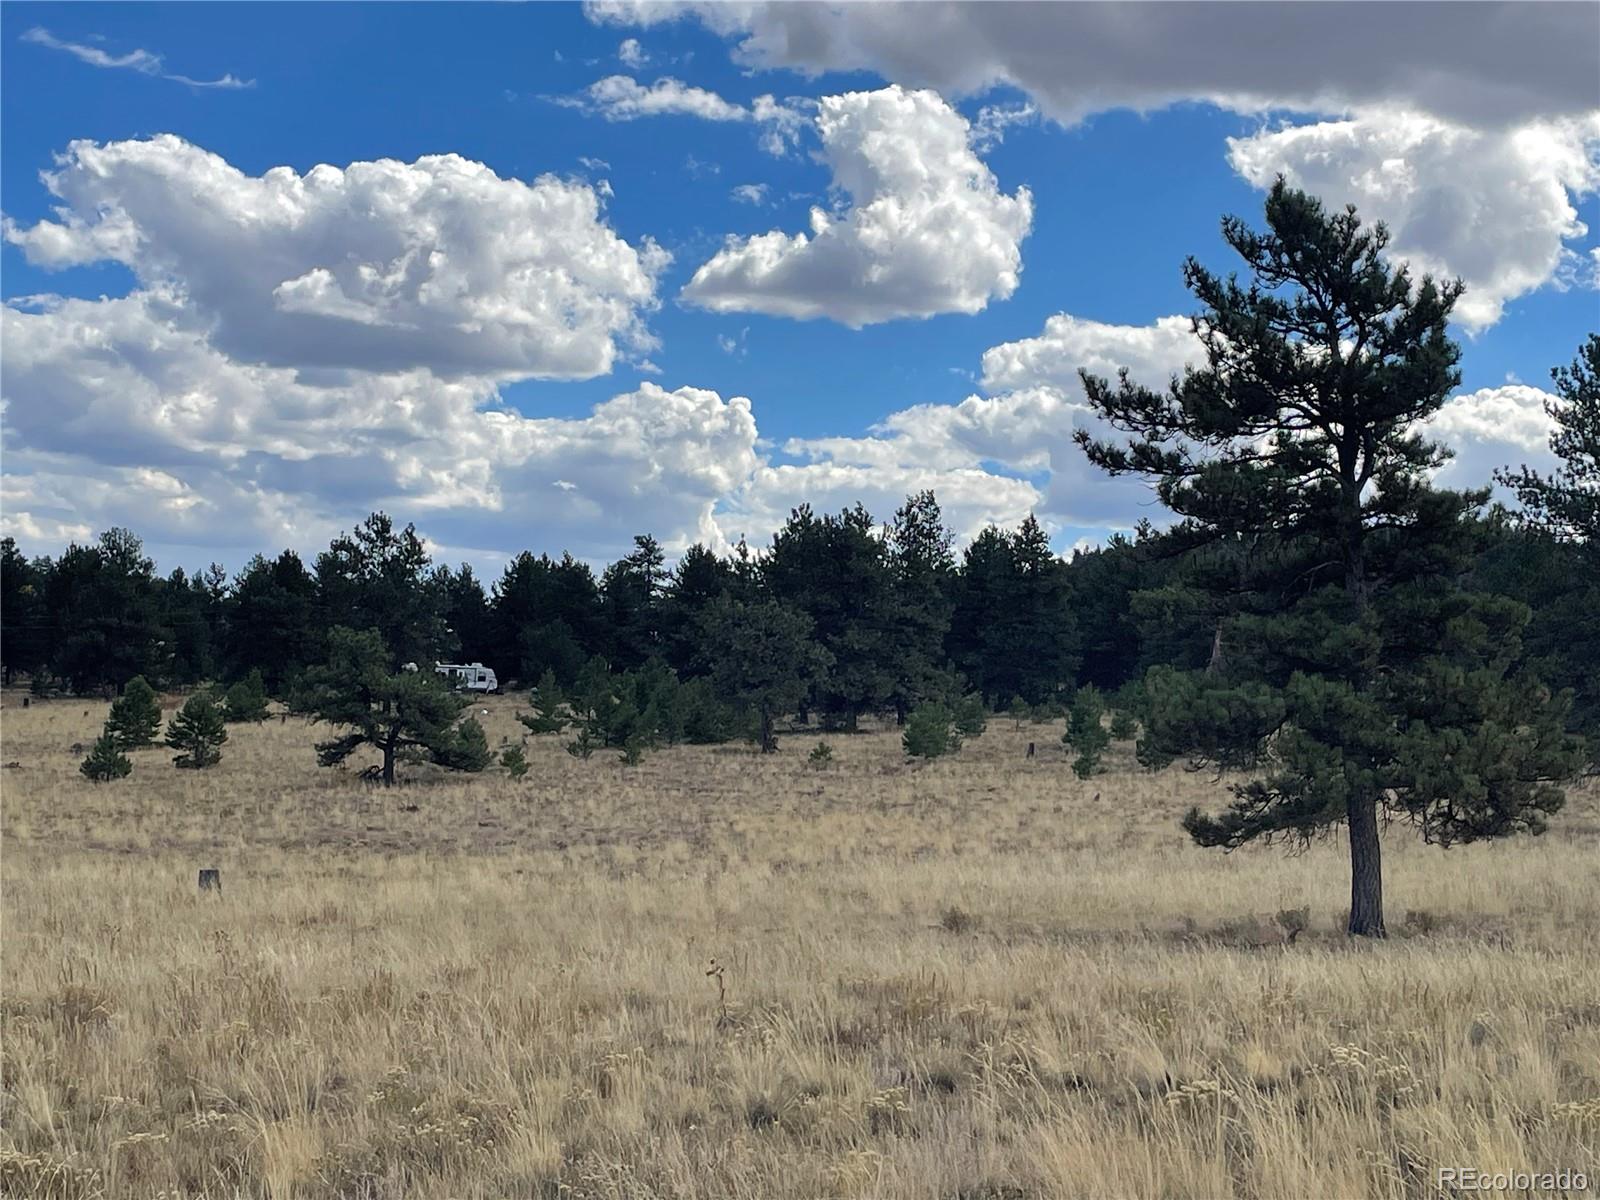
point(198, 733)
point(930, 731)
point(246, 700)
point(135, 715)
point(1352, 673)
point(105, 760)
point(550, 713)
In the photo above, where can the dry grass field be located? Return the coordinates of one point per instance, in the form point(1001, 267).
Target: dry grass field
point(979, 979)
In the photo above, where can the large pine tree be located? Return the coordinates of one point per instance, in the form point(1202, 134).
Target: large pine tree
point(1012, 632)
point(377, 577)
point(836, 571)
point(1356, 679)
point(763, 656)
point(392, 711)
point(272, 623)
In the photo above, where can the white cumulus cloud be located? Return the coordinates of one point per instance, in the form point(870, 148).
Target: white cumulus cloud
point(1491, 428)
point(119, 412)
point(623, 98)
point(926, 228)
point(1469, 127)
point(1003, 455)
point(1492, 206)
point(632, 53)
point(1152, 353)
point(378, 266)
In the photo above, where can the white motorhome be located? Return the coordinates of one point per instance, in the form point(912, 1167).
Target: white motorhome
point(473, 677)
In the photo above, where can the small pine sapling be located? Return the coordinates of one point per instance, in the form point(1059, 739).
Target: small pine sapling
point(1018, 712)
point(514, 761)
point(105, 760)
point(930, 732)
point(585, 744)
point(1085, 732)
point(466, 749)
point(971, 717)
point(198, 733)
point(633, 750)
point(246, 700)
point(550, 713)
point(135, 715)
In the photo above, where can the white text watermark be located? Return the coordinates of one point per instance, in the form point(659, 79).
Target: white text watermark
point(1474, 1179)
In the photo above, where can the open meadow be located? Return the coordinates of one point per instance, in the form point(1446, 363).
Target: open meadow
point(723, 976)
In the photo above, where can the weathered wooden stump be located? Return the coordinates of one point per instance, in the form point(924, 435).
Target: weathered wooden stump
point(210, 880)
point(1030, 749)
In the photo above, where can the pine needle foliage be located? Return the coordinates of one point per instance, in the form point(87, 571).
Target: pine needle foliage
point(198, 733)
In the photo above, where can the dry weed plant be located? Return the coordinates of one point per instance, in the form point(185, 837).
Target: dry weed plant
point(970, 981)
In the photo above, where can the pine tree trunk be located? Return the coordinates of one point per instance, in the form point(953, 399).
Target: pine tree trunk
point(768, 742)
point(1366, 870)
point(388, 763)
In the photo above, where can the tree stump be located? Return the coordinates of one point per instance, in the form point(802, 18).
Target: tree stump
point(1030, 750)
point(210, 880)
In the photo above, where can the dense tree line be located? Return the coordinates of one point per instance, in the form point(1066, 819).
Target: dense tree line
point(898, 615)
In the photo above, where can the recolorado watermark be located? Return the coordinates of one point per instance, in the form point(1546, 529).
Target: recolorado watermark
point(1474, 1179)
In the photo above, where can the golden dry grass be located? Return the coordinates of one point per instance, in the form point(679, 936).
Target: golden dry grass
point(980, 978)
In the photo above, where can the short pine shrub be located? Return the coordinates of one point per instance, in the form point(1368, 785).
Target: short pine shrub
point(550, 713)
point(1085, 732)
point(198, 733)
point(707, 719)
point(514, 761)
point(105, 760)
point(135, 715)
point(246, 700)
point(971, 717)
point(585, 744)
point(930, 732)
point(633, 750)
point(467, 748)
point(821, 755)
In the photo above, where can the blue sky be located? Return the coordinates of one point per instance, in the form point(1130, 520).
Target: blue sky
point(215, 442)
